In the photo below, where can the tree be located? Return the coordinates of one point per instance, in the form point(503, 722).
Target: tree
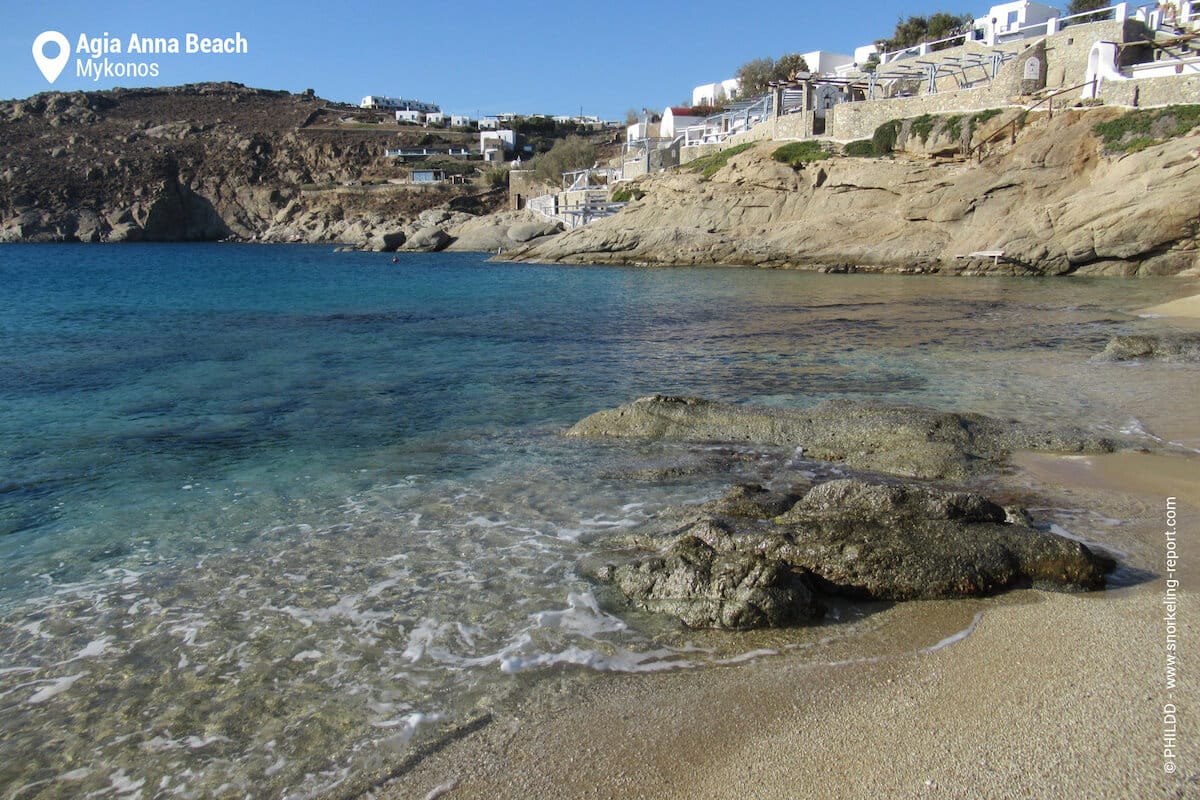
point(571, 153)
point(942, 25)
point(756, 75)
point(915, 30)
point(631, 116)
point(1081, 6)
point(787, 66)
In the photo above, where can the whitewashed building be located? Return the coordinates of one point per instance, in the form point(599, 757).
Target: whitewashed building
point(643, 130)
point(410, 115)
point(710, 93)
point(461, 121)
point(435, 118)
point(675, 120)
point(489, 123)
point(821, 62)
point(504, 140)
point(397, 104)
point(1009, 18)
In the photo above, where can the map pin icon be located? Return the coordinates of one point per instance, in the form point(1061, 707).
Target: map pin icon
point(51, 67)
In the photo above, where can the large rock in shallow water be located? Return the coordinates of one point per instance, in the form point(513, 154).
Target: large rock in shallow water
point(709, 589)
point(859, 539)
point(903, 440)
point(901, 542)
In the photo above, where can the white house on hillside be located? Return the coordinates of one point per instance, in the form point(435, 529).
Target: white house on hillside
point(503, 140)
point(823, 63)
point(676, 120)
point(708, 94)
point(1010, 17)
point(863, 54)
point(460, 121)
point(643, 130)
point(489, 123)
point(410, 115)
point(397, 104)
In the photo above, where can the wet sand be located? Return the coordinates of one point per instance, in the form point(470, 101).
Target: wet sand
point(1050, 696)
point(1183, 313)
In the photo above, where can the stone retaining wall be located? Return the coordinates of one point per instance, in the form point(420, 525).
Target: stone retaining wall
point(690, 154)
point(1065, 55)
point(1163, 91)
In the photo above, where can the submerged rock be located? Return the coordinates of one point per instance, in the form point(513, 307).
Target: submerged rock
point(1179, 347)
point(902, 440)
point(849, 537)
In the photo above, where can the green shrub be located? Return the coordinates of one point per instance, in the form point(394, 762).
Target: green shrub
point(954, 127)
point(621, 196)
point(797, 154)
point(1138, 130)
point(884, 138)
point(711, 164)
point(863, 148)
point(984, 116)
point(566, 155)
point(497, 177)
point(922, 126)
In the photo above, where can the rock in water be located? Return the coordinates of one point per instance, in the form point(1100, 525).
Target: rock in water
point(902, 542)
point(708, 589)
point(859, 539)
point(902, 440)
point(1180, 347)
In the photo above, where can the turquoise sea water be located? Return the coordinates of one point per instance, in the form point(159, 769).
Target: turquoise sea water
point(269, 515)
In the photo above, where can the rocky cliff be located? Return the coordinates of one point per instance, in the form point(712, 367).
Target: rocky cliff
point(1055, 202)
point(222, 161)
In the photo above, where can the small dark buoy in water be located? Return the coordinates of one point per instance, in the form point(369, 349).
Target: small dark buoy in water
point(395, 259)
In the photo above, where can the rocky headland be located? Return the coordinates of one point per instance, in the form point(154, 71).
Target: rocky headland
point(221, 161)
point(209, 162)
point(1056, 201)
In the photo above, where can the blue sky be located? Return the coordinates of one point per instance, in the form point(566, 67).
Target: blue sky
point(470, 57)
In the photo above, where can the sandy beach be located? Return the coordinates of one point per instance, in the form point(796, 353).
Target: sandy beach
point(1046, 695)
point(1185, 311)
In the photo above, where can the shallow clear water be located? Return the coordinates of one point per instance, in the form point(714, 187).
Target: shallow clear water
point(269, 515)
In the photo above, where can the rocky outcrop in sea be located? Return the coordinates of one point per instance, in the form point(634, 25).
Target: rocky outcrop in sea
point(902, 527)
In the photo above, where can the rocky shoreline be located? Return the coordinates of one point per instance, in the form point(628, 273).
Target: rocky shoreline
point(1055, 202)
point(210, 162)
point(904, 526)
